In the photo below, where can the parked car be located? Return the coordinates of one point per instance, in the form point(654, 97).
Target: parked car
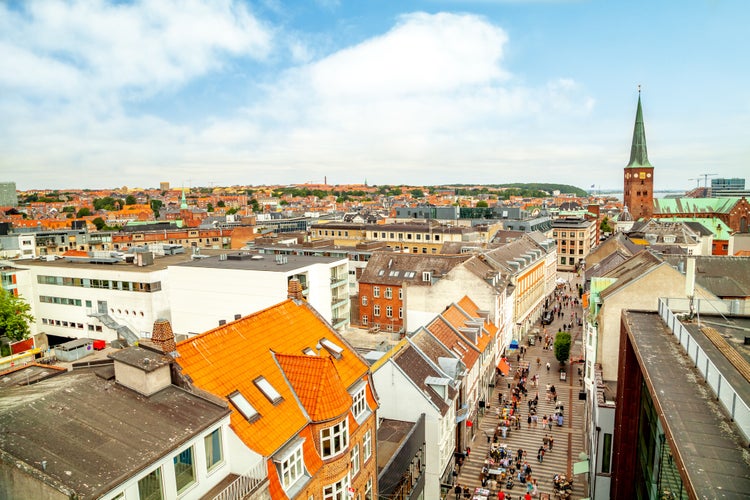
point(547, 318)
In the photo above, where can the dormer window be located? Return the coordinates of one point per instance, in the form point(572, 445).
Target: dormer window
point(268, 390)
point(243, 406)
point(359, 404)
point(334, 440)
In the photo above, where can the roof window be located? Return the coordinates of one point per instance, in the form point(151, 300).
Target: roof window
point(332, 348)
point(243, 406)
point(268, 390)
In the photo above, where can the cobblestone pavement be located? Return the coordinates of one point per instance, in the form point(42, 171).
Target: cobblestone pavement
point(568, 439)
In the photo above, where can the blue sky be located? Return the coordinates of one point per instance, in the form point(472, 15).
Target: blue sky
point(98, 94)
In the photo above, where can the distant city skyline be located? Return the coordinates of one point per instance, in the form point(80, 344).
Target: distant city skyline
point(110, 93)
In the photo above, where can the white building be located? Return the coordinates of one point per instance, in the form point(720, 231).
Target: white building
point(221, 288)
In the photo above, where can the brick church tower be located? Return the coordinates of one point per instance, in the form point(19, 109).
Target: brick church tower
point(639, 173)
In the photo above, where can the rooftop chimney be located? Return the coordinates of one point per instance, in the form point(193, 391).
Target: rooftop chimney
point(295, 290)
point(163, 336)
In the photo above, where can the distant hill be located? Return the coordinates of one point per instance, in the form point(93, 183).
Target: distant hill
point(527, 190)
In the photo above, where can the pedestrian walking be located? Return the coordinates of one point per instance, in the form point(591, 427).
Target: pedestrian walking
point(547, 366)
point(458, 490)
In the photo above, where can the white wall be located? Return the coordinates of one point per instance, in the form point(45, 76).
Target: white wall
point(143, 308)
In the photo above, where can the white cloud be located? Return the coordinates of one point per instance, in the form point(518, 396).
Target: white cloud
point(429, 101)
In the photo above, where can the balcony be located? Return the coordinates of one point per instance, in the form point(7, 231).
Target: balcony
point(337, 281)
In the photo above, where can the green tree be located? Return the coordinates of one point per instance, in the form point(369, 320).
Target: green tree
point(256, 206)
point(482, 204)
point(155, 206)
point(209, 207)
point(83, 212)
point(604, 227)
point(232, 211)
point(99, 223)
point(417, 193)
point(130, 200)
point(221, 203)
point(15, 316)
point(107, 203)
point(562, 347)
point(69, 209)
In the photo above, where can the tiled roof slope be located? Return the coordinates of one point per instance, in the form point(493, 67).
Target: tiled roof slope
point(416, 367)
point(443, 331)
point(229, 358)
point(389, 262)
point(317, 384)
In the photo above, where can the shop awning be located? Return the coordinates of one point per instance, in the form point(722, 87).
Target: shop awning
point(581, 467)
point(503, 366)
point(513, 344)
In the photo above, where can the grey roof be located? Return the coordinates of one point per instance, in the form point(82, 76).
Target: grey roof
point(701, 435)
point(259, 262)
point(395, 265)
point(724, 276)
point(93, 433)
point(411, 361)
point(631, 270)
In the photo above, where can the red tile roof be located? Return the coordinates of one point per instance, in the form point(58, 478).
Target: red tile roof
point(229, 358)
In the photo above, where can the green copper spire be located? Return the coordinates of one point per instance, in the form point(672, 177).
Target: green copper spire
point(183, 201)
point(638, 153)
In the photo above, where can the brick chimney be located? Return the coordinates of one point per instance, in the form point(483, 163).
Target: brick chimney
point(294, 290)
point(162, 336)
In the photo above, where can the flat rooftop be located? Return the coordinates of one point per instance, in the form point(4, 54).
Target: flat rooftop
point(92, 433)
point(259, 262)
point(703, 438)
point(160, 263)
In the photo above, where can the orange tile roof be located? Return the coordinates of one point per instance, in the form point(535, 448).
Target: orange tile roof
point(230, 357)
point(469, 306)
point(317, 384)
point(445, 334)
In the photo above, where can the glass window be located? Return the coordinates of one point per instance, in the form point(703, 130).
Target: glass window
point(149, 487)
point(365, 319)
point(400, 294)
point(268, 390)
point(376, 310)
point(388, 311)
point(354, 457)
point(368, 489)
point(292, 468)
point(243, 406)
point(367, 446)
point(360, 403)
point(400, 312)
point(334, 440)
point(214, 454)
point(338, 490)
point(184, 471)
point(606, 452)
point(364, 300)
point(376, 291)
point(388, 293)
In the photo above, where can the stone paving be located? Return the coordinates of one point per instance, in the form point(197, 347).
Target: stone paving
point(568, 439)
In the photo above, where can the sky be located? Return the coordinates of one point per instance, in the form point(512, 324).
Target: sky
point(103, 94)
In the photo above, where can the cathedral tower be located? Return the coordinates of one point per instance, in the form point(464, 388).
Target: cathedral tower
point(639, 173)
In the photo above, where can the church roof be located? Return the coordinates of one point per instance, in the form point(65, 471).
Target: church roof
point(678, 206)
point(638, 153)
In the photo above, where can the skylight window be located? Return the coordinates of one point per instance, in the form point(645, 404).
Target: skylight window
point(332, 348)
point(309, 351)
point(268, 390)
point(243, 406)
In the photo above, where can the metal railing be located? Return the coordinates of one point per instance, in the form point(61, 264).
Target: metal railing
point(245, 485)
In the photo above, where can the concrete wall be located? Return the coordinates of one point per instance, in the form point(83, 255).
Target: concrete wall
point(140, 381)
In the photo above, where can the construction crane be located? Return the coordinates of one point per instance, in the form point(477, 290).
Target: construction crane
point(697, 181)
point(705, 178)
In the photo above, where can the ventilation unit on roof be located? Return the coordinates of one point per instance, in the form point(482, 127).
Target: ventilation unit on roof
point(426, 276)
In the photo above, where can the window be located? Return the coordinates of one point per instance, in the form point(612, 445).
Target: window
point(334, 440)
point(388, 293)
point(292, 468)
point(367, 446)
point(243, 406)
point(365, 319)
point(338, 490)
point(364, 300)
point(562, 260)
point(376, 291)
point(184, 472)
point(149, 487)
point(214, 454)
point(354, 457)
point(426, 276)
point(376, 310)
point(400, 312)
point(388, 311)
point(268, 390)
point(606, 452)
point(368, 489)
point(359, 404)
point(400, 294)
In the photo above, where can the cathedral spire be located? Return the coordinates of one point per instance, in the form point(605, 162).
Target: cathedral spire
point(638, 153)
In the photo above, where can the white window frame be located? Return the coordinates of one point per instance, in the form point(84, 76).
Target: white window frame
point(292, 468)
point(354, 457)
point(376, 291)
point(400, 294)
point(388, 292)
point(338, 433)
point(376, 310)
point(338, 490)
point(365, 320)
point(388, 311)
point(359, 402)
point(368, 489)
point(367, 445)
point(364, 300)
